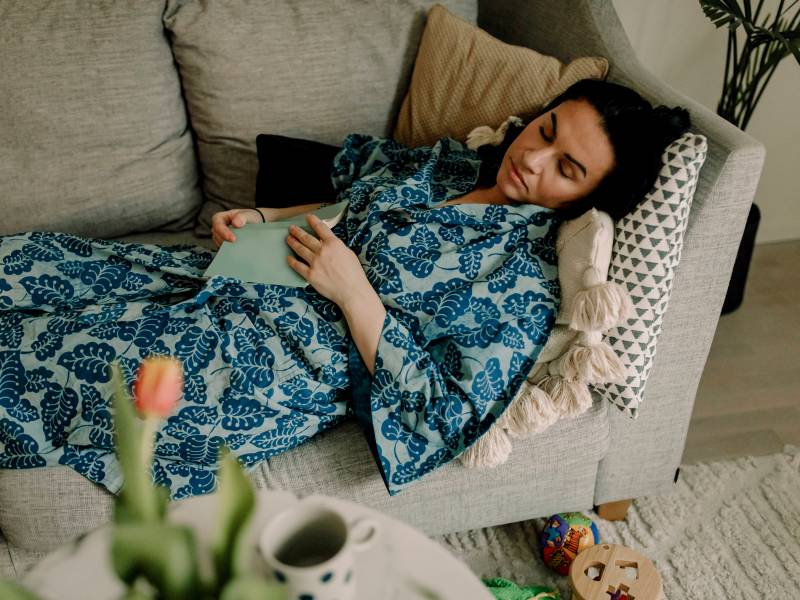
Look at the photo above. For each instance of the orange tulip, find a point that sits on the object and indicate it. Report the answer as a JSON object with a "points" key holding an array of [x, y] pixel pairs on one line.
{"points": [[159, 385]]}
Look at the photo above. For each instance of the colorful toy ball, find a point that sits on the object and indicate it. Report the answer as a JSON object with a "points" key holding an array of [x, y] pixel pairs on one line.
{"points": [[563, 536]]}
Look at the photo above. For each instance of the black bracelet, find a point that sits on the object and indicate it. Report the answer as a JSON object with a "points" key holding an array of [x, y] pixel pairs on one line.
{"points": [[263, 220]]}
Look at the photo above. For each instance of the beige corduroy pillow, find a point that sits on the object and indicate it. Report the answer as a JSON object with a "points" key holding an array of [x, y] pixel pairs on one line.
{"points": [[465, 77]]}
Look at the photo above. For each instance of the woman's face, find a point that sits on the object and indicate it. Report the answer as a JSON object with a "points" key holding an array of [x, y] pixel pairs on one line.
{"points": [[561, 156]]}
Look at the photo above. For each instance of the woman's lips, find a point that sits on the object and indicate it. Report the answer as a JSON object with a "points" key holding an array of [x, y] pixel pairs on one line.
{"points": [[516, 176]]}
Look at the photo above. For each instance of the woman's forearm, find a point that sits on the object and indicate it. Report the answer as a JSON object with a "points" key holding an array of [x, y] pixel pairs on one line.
{"points": [[278, 214], [365, 315]]}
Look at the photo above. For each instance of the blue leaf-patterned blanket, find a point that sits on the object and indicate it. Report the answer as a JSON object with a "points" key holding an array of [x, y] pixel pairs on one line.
{"points": [[471, 293]]}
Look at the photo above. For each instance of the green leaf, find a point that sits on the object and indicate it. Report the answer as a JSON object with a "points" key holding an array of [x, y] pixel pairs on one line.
{"points": [[232, 556], [250, 587], [791, 40], [138, 500], [721, 14], [165, 555], [11, 590]]}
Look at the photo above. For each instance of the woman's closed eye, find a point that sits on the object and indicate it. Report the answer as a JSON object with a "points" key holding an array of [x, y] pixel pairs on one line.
{"points": [[560, 164]]}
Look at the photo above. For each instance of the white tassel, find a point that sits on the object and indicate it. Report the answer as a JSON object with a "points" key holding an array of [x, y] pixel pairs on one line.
{"points": [[492, 448], [594, 363], [600, 307], [571, 398], [530, 412], [480, 136]]}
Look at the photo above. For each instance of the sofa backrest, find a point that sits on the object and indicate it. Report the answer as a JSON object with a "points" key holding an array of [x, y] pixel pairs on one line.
{"points": [[107, 109], [315, 69], [93, 129]]}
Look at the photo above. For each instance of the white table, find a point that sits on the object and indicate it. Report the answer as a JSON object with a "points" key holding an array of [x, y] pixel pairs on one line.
{"points": [[404, 565]]}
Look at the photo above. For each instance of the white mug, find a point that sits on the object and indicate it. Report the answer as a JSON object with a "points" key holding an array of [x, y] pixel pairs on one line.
{"points": [[310, 548]]}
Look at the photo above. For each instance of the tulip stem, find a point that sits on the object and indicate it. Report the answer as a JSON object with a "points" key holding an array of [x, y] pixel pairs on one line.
{"points": [[148, 442]]}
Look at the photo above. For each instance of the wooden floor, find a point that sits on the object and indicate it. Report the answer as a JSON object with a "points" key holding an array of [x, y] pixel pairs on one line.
{"points": [[748, 401]]}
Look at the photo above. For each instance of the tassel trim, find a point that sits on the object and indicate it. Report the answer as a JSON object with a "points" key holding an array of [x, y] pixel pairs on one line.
{"points": [[480, 136], [600, 307], [531, 412], [571, 398], [492, 449], [595, 363]]}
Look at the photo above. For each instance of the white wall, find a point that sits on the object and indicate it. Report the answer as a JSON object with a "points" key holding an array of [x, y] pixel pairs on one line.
{"points": [[678, 43]]}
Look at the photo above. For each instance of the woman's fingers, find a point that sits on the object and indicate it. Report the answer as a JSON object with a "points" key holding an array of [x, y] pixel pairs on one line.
{"points": [[221, 222], [305, 238], [218, 227], [301, 250], [320, 227], [218, 239], [227, 235], [299, 266]]}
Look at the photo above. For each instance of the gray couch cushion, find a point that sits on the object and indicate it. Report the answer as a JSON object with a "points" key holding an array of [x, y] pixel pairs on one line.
{"points": [[314, 69], [7, 569], [547, 472], [551, 471], [93, 127]]}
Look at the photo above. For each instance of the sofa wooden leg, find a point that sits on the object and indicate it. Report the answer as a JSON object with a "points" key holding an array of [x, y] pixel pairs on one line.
{"points": [[614, 511]]}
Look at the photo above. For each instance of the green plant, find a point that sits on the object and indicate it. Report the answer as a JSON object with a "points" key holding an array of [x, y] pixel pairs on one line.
{"points": [[748, 71], [169, 569], [158, 560]]}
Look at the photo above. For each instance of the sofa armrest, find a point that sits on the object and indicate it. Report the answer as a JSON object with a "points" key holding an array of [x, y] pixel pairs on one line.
{"points": [[645, 453]]}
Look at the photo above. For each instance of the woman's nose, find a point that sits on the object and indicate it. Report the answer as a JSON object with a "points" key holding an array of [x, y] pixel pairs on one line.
{"points": [[534, 159]]}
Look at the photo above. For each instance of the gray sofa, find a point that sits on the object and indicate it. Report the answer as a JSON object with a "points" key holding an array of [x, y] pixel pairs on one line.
{"points": [[599, 457]]}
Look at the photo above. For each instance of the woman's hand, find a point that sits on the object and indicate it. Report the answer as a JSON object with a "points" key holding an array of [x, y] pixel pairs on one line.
{"points": [[222, 221], [327, 263]]}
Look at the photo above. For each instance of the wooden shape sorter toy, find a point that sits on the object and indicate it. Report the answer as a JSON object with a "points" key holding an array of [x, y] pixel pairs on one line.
{"points": [[613, 572]]}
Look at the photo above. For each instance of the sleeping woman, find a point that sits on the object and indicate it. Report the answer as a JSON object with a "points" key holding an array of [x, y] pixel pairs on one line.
{"points": [[426, 305]]}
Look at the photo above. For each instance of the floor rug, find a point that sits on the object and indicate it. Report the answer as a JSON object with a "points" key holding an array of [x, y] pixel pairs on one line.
{"points": [[730, 530]]}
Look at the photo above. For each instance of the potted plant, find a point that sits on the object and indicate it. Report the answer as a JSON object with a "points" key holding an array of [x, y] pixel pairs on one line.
{"points": [[747, 72], [156, 559]]}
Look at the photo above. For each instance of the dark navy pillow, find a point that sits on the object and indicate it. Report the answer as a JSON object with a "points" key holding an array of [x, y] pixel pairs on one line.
{"points": [[293, 171]]}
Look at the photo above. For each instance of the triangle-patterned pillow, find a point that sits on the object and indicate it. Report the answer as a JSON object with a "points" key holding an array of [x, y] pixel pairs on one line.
{"points": [[647, 248]]}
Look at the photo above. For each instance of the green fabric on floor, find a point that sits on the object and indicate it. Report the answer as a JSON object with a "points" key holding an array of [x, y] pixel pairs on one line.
{"points": [[503, 589]]}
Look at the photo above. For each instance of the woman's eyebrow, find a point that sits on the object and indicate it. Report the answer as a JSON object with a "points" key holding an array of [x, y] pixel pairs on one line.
{"points": [[555, 129]]}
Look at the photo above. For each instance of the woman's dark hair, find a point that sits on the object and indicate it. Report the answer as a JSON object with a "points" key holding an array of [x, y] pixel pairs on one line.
{"points": [[638, 133]]}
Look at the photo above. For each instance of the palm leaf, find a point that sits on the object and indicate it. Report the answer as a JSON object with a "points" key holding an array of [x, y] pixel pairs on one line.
{"points": [[791, 40], [722, 13]]}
